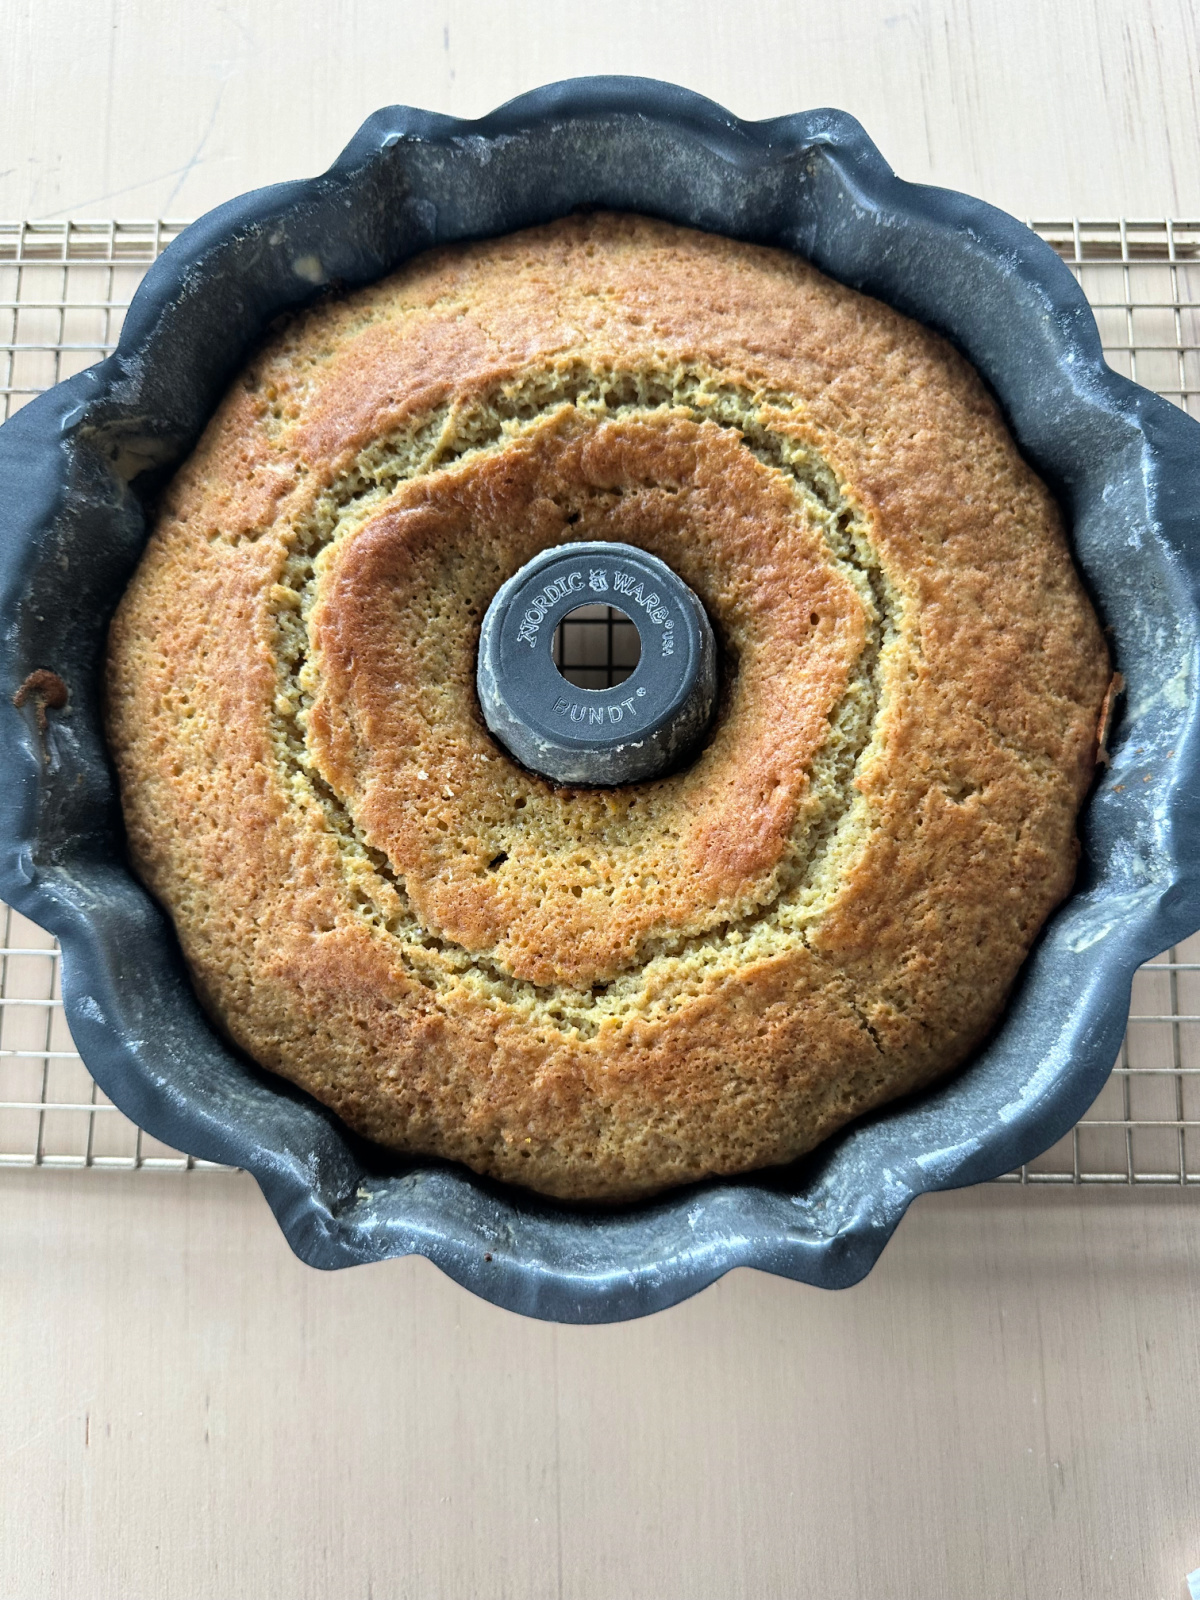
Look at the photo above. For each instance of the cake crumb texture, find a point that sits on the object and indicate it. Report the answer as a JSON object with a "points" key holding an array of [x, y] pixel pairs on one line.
{"points": [[601, 993]]}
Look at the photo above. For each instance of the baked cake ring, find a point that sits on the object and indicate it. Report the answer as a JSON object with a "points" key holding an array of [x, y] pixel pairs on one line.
{"points": [[599, 993]]}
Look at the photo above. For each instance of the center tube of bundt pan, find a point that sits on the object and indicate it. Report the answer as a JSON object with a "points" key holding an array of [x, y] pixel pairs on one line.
{"points": [[636, 724]]}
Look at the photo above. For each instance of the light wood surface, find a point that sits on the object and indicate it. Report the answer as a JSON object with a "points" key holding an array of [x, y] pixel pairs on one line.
{"points": [[1006, 1407], [132, 108], [1009, 1406]]}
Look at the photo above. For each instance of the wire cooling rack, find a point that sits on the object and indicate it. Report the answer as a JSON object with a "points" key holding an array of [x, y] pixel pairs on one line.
{"points": [[64, 290]]}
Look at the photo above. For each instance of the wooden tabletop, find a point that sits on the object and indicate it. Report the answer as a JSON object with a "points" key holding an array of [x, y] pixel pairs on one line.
{"points": [[1009, 1406]]}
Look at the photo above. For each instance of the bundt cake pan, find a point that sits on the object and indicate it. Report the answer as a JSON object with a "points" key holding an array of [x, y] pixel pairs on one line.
{"points": [[79, 465]]}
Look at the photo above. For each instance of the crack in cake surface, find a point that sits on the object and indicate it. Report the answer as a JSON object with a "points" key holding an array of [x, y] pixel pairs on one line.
{"points": [[668, 967]]}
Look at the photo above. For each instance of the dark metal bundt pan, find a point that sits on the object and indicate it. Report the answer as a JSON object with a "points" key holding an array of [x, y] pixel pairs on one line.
{"points": [[72, 468]]}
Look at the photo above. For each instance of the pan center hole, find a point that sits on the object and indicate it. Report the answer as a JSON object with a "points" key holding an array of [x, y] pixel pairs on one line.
{"points": [[596, 647]]}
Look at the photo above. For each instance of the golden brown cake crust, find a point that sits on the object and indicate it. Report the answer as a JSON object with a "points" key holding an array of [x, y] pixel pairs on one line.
{"points": [[602, 993]]}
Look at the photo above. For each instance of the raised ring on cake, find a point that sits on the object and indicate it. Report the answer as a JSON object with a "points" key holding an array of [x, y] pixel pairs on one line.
{"points": [[380, 703]]}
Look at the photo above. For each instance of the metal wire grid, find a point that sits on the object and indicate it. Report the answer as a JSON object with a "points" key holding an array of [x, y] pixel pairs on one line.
{"points": [[596, 647], [64, 289], [51, 1112]]}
